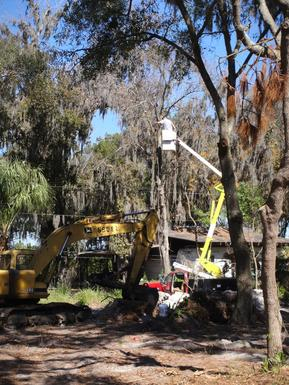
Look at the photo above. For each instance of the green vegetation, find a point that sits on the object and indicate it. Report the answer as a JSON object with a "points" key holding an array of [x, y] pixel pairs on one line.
{"points": [[120, 245], [89, 297], [250, 200], [201, 216], [108, 148], [274, 364], [21, 188], [284, 255], [283, 293]]}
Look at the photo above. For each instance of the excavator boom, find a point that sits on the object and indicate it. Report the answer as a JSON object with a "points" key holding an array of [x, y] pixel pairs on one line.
{"points": [[30, 283], [66, 235]]}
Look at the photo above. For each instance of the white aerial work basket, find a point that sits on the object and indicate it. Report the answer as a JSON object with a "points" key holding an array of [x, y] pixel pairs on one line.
{"points": [[169, 140]]}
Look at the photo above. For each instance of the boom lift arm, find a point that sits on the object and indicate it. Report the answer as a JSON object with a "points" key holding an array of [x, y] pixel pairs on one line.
{"points": [[169, 140]]}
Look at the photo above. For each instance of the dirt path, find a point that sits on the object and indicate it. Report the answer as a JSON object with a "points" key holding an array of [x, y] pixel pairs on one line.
{"points": [[142, 353]]}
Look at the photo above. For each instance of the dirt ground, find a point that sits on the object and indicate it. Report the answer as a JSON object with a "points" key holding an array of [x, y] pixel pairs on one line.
{"points": [[135, 352]]}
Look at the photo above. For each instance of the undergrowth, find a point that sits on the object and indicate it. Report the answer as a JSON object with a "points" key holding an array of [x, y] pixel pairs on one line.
{"points": [[89, 297], [274, 364]]}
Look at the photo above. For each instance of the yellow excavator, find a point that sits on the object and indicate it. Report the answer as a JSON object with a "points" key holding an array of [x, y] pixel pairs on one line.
{"points": [[23, 276]]}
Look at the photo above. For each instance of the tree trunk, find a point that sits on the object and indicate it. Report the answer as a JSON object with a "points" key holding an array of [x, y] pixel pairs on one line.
{"points": [[272, 211], [163, 234], [270, 216], [163, 231], [243, 309], [152, 189]]}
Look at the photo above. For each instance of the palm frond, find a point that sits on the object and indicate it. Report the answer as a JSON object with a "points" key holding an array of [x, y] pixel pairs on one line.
{"points": [[22, 188], [266, 92]]}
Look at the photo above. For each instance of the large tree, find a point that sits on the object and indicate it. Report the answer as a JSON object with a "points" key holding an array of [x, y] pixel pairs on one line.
{"points": [[45, 112], [116, 27], [268, 91], [130, 166]]}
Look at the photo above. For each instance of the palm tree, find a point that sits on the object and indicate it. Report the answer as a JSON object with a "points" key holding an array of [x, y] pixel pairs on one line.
{"points": [[21, 188]]}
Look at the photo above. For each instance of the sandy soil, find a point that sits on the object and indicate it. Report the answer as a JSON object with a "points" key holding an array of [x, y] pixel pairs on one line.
{"points": [[144, 352]]}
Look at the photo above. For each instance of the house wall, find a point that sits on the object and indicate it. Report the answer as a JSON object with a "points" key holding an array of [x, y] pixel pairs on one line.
{"points": [[182, 250], [153, 267]]}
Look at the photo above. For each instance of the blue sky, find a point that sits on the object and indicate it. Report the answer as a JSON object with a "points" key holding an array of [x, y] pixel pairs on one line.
{"points": [[102, 126], [15, 9]]}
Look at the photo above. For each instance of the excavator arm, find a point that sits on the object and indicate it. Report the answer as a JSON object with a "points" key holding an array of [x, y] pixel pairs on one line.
{"points": [[28, 283], [102, 226], [84, 229], [143, 242]]}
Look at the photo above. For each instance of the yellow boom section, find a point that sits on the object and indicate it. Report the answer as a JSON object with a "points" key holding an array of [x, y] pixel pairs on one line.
{"points": [[204, 259]]}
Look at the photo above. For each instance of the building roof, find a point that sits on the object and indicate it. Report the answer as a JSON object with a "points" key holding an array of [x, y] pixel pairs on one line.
{"points": [[221, 236]]}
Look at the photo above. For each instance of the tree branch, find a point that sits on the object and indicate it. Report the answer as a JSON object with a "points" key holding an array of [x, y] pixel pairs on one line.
{"points": [[171, 43], [268, 18], [129, 8], [227, 38], [249, 56], [285, 3], [217, 100], [207, 18], [188, 21], [177, 101], [254, 47], [231, 83], [164, 93]]}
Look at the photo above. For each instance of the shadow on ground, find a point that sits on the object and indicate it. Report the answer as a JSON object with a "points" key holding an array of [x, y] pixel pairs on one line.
{"points": [[98, 352]]}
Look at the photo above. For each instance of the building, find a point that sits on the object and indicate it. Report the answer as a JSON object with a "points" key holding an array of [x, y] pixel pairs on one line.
{"points": [[183, 248]]}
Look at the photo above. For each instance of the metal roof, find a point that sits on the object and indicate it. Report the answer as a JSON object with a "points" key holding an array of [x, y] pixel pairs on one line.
{"points": [[221, 236]]}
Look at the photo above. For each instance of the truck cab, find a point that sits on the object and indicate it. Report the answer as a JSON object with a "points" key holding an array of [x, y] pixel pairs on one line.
{"points": [[176, 280]]}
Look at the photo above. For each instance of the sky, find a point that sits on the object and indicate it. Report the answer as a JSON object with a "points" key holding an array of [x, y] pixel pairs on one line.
{"points": [[104, 126], [101, 126], [14, 9]]}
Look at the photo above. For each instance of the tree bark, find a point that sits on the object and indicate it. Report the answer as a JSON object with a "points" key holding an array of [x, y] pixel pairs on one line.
{"points": [[163, 233], [243, 309], [272, 211], [269, 217]]}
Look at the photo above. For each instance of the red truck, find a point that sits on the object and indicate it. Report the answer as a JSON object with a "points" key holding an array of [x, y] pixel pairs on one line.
{"points": [[176, 280]]}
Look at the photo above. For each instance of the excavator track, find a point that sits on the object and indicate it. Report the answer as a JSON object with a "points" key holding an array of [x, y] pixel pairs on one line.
{"points": [[44, 314]]}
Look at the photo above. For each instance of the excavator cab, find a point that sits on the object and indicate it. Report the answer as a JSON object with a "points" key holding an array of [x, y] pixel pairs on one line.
{"points": [[17, 280]]}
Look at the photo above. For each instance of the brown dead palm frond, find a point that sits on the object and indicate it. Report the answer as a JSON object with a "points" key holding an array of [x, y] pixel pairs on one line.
{"points": [[267, 91], [274, 87], [258, 93], [231, 106], [244, 85], [263, 72], [243, 130]]}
